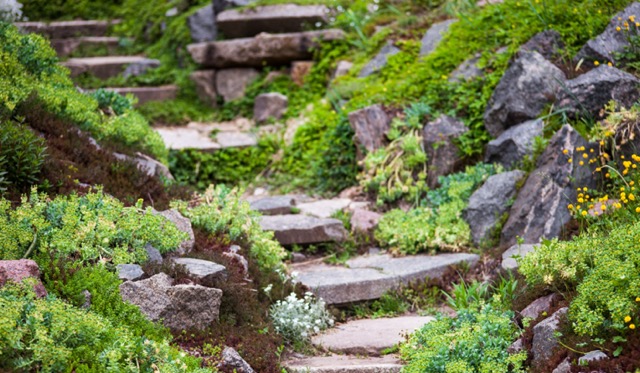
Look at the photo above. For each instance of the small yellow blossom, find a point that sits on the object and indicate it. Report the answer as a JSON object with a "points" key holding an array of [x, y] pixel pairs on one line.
{"points": [[581, 163], [627, 318], [584, 213], [618, 29], [570, 160], [637, 299], [609, 64], [632, 326], [603, 207], [570, 207], [596, 63], [632, 197]]}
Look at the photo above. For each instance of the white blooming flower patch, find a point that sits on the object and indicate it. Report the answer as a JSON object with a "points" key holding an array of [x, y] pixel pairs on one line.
{"points": [[298, 319]]}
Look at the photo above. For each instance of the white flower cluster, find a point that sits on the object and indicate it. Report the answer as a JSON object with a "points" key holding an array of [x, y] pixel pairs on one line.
{"points": [[10, 11], [298, 319]]}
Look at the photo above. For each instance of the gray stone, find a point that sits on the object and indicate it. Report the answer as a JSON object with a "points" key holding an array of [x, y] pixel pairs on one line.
{"points": [[302, 229], [517, 142], [548, 43], [179, 307], [518, 250], [369, 336], [564, 367], [87, 299], [298, 257], [140, 67], [67, 46], [272, 19], [516, 346], [364, 221], [269, 106], [540, 210], [235, 139], [264, 49], [529, 84], [439, 139], [468, 70], [370, 126], [67, 29], [205, 82], [587, 94], [234, 254], [201, 135], [544, 339], [146, 164], [221, 5], [202, 269], [232, 360], [434, 36], [153, 254], [300, 70], [101, 67], [202, 25], [344, 364], [184, 225], [540, 305], [605, 46], [368, 277], [147, 94], [129, 272], [379, 61], [489, 203], [231, 84], [274, 205], [324, 208], [592, 356], [342, 68]]}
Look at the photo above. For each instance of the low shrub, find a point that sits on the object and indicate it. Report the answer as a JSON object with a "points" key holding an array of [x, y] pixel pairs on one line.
{"points": [[22, 154], [112, 101], [297, 319]]}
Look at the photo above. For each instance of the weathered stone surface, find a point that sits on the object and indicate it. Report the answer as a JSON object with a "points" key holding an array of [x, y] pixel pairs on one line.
{"points": [[184, 225], [67, 29], [544, 340], [101, 67], [489, 203], [200, 135], [434, 35], [300, 70], [590, 92], [516, 346], [234, 253], [302, 229], [18, 270], [564, 367], [146, 164], [379, 61], [368, 277], [540, 210], [342, 68], [272, 19], [540, 305], [270, 49], [508, 257], [467, 70], [324, 208], [202, 25], [181, 307], [146, 94], [364, 221], [205, 82], [202, 269], [514, 144], [65, 47], [274, 205], [439, 142], [269, 106], [236, 139], [592, 356], [232, 360], [369, 336], [344, 364], [529, 84], [140, 67], [605, 46], [548, 43], [129, 272], [153, 255], [370, 125], [231, 84]]}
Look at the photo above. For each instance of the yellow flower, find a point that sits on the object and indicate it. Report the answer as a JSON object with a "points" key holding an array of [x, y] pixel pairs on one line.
{"points": [[601, 142], [570, 160], [581, 163], [627, 318], [607, 175], [603, 207], [570, 207], [631, 182], [638, 210], [618, 28], [580, 200], [585, 189], [609, 63], [585, 155], [637, 299], [596, 63], [632, 326], [584, 213], [632, 197], [565, 151]]}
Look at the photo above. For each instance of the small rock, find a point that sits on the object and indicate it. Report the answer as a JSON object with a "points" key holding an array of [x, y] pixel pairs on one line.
{"points": [[439, 142], [232, 360], [154, 255], [342, 68], [232, 83], [87, 299], [364, 221], [184, 225], [274, 205], [298, 257], [467, 70], [540, 305], [434, 36], [129, 272], [516, 347], [202, 25], [269, 106], [592, 356], [370, 125], [517, 142], [140, 67], [203, 270], [234, 253], [205, 82], [18, 270], [518, 250], [548, 43], [564, 367], [171, 12], [379, 61], [299, 70], [544, 339]]}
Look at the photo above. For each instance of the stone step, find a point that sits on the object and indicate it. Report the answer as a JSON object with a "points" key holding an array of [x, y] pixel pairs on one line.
{"points": [[368, 277], [344, 364], [201, 136], [242, 23], [369, 337], [303, 229], [65, 47], [68, 29], [270, 49], [146, 94], [101, 67]]}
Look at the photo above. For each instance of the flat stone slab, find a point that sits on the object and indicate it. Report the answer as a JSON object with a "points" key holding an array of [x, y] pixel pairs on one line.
{"points": [[302, 229], [200, 136], [269, 49], [240, 23], [344, 364], [67, 29], [274, 205], [202, 269], [146, 94], [129, 272], [324, 208], [101, 67], [65, 47], [369, 336], [368, 277]]}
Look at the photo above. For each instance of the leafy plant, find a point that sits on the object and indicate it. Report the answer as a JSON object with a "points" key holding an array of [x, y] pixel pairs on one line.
{"points": [[297, 319], [22, 154], [465, 295], [109, 100]]}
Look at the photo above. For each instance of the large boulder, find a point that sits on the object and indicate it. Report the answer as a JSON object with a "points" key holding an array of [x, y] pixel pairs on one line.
{"points": [[540, 210], [587, 94], [439, 139], [232, 83], [510, 148], [434, 36], [544, 338], [202, 25], [205, 82], [184, 225], [269, 106], [489, 203], [605, 46], [18, 270], [179, 307], [379, 61], [370, 126], [529, 84], [548, 43]]}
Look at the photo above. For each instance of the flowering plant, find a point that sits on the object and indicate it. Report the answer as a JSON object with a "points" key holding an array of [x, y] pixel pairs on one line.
{"points": [[297, 319]]}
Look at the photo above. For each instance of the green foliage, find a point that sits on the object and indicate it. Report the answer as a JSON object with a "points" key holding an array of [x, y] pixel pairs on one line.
{"points": [[49, 335], [465, 295], [297, 319], [475, 341], [220, 211], [22, 154], [176, 112], [460, 185], [42, 10], [109, 100]]}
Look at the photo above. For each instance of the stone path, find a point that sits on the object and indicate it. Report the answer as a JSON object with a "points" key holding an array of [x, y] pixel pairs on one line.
{"points": [[209, 136], [344, 364]]}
